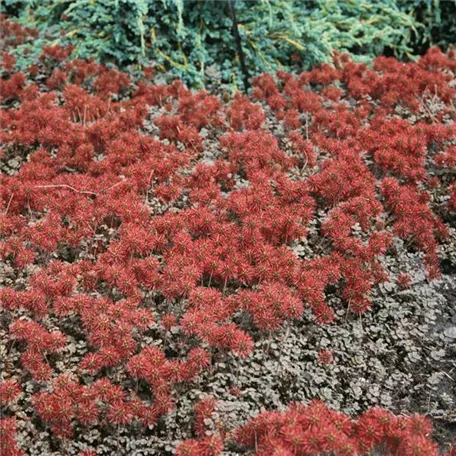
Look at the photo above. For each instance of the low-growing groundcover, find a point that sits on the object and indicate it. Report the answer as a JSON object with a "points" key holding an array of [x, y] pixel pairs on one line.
{"points": [[193, 274]]}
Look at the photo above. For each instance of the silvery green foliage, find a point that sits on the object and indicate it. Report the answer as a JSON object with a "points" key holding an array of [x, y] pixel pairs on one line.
{"points": [[188, 37]]}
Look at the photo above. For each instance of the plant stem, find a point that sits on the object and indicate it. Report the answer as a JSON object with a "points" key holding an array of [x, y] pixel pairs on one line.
{"points": [[237, 40]]}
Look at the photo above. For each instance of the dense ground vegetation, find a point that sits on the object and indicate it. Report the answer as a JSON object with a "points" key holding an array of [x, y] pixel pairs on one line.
{"points": [[193, 39], [154, 238]]}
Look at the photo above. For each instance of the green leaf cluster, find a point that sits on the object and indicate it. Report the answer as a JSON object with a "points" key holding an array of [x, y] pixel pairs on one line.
{"points": [[193, 39], [438, 18]]}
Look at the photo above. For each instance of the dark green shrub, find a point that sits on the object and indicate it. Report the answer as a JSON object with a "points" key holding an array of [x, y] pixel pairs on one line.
{"points": [[193, 39], [439, 23]]}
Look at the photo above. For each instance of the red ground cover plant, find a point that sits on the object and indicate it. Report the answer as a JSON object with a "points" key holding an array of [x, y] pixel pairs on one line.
{"points": [[125, 238], [8, 435], [316, 430], [210, 444]]}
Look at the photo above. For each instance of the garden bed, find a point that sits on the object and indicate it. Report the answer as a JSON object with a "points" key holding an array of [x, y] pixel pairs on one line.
{"points": [[163, 246]]}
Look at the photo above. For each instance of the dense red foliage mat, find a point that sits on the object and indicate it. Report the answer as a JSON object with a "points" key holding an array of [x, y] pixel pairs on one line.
{"points": [[124, 227]]}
